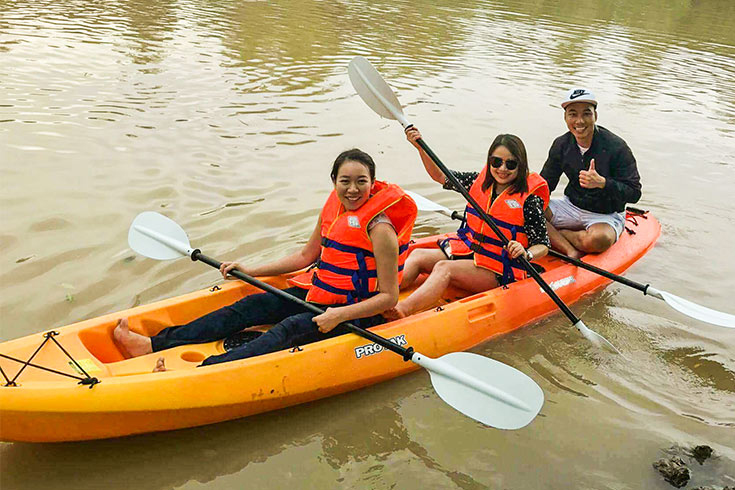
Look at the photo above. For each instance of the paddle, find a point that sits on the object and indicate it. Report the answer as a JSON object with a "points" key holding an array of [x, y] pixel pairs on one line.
{"points": [[376, 93], [681, 305], [484, 389]]}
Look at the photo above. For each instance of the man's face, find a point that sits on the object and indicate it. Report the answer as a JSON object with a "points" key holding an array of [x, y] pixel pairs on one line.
{"points": [[580, 118]]}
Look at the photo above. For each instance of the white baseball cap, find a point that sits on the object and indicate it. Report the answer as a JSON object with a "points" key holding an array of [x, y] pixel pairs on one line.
{"points": [[579, 95]]}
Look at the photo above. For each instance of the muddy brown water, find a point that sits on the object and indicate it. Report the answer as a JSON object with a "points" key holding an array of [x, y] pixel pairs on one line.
{"points": [[226, 115]]}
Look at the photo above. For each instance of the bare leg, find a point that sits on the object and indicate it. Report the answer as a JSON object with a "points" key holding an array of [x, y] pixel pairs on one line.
{"points": [[462, 273], [595, 239], [134, 343], [558, 240], [420, 260]]}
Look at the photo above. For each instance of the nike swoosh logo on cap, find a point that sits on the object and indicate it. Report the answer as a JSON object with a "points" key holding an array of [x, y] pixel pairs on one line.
{"points": [[578, 94]]}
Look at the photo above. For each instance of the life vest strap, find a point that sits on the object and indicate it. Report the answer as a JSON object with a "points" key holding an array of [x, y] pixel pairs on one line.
{"points": [[360, 277], [499, 222], [343, 271], [349, 294], [508, 263], [468, 236], [329, 243], [446, 242]]}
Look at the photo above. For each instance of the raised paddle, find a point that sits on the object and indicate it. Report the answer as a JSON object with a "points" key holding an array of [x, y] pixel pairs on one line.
{"points": [[376, 93], [681, 305], [486, 390]]}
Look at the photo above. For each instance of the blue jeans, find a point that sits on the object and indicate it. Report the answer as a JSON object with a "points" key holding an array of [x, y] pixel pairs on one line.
{"points": [[293, 327]]}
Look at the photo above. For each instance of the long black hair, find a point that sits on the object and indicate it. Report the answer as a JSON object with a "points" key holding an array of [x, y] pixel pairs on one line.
{"points": [[355, 155], [516, 148]]}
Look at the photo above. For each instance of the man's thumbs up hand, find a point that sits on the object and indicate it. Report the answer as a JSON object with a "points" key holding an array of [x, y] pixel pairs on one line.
{"points": [[590, 179]]}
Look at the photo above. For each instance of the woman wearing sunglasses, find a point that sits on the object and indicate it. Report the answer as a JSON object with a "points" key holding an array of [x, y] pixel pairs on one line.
{"points": [[474, 258]]}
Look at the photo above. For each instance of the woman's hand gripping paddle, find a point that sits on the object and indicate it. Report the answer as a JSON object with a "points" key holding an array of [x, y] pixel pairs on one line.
{"points": [[373, 90], [484, 389]]}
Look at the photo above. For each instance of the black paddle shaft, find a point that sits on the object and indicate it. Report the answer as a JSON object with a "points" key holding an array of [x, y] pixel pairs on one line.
{"points": [[407, 354], [584, 265], [487, 219]]}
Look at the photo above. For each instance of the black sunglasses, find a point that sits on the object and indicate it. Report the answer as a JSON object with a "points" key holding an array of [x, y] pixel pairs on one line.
{"points": [[497, 162]]}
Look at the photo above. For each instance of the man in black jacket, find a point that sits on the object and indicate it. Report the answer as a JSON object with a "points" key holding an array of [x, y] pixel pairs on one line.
{"points": [[603, 177]]}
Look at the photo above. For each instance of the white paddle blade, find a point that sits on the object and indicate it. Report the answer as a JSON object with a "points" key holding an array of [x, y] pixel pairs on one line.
{"points": [[155, 236], [374, 91], [696, 311], [484, 389], [595, 337], [425, 204]]}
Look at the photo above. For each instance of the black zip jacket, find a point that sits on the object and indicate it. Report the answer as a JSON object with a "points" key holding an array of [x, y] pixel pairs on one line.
{"points": [[613, 160]]}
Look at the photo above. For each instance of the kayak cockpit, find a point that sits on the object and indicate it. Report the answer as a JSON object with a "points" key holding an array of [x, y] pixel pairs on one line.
{"points": [[91, 343]]}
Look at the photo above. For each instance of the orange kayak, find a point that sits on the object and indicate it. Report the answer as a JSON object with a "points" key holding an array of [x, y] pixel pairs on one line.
{"points": [[48, 402]]}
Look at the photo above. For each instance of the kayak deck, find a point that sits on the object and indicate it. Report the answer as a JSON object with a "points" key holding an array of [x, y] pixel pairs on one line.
{"points": [[131, 399], [94, 348]]}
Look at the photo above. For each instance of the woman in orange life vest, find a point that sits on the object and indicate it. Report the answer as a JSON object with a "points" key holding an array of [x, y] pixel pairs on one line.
{"points": [[513, 197], [358, 249]]}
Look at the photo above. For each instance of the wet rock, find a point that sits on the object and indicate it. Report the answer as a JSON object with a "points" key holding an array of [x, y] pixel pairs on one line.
{"points": [[704, 488], [673, 470], [701, 453]]}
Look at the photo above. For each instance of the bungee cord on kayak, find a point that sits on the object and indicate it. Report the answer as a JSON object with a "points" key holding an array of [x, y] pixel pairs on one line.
{"points": [[87, 380]]}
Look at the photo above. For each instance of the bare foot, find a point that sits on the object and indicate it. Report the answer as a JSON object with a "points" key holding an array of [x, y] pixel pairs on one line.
{"points": [[394, 313], [160, 365], [570, 252], [135, 343]]}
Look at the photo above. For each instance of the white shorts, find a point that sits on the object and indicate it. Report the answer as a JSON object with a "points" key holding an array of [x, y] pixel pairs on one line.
{"points": [[567, 216]]}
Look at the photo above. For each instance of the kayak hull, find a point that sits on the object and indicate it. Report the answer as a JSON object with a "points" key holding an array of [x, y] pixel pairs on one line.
{"points": [[130, 399]]}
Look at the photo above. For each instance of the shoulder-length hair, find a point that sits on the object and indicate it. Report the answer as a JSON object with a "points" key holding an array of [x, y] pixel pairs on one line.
{"points": [[516, 148]]}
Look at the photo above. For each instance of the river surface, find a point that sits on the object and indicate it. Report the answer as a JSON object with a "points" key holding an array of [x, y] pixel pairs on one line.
{"points": [[226, 115]]}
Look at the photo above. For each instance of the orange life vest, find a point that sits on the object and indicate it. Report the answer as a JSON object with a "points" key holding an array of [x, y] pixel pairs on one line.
{"points": [[346, 271], [507, 213]]}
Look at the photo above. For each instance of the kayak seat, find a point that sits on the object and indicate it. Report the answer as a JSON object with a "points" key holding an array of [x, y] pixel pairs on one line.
{"points": [[99, 342], [240, 338]]}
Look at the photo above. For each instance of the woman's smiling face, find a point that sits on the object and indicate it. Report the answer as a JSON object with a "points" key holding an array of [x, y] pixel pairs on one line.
{"points": [[353, 184], [502, 175]]}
